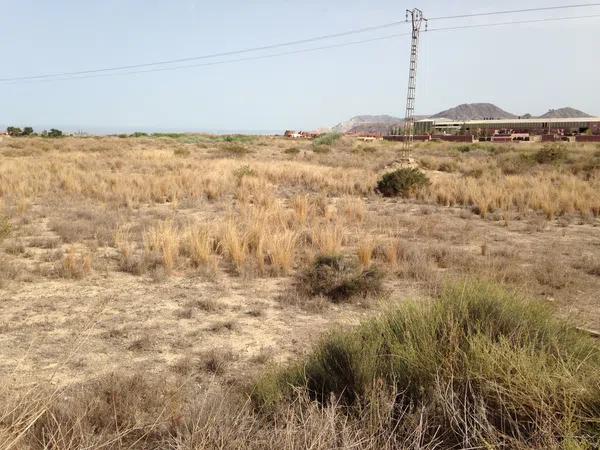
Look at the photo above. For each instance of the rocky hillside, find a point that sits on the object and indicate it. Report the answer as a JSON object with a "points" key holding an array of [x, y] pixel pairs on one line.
{"points": [[563, 113], [382, 124], [474, 111], [363, 124]]}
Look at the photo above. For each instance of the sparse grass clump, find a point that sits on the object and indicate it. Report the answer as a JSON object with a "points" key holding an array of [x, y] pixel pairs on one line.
{"points": [[401, 182], [5, 228], [478, 368], [161, 246], [244, 171], [234, 149], [74, 265], [321, 149], [234, 244], [9, 269], [589, 265], [199, 246], [328, 239], [339, 280], [182, 152], [551, 154]]}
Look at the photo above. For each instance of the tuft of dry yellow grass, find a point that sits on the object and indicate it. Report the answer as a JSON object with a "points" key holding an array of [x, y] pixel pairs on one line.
{"points": [[234, 244], [199, 244], [162, 241], [328, 239], [281, 251], [75, 265], [353, 208], [302, 208], [365, 250]]}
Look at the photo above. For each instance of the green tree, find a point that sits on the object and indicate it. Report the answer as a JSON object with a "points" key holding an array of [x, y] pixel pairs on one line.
{"points": [[14, 131], [27, 131], [54, 133]]}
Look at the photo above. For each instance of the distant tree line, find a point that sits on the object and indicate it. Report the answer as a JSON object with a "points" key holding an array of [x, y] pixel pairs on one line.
{"points": [[28, 131]]}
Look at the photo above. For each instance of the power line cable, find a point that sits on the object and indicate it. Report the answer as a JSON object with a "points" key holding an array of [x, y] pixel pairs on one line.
{"points": [[279, 45], [215, 63], [213, 55], [68, 77], [515, 11], [513, 22]]}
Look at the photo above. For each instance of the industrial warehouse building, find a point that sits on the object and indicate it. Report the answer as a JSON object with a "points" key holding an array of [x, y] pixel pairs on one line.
{"points": [[580, 129]]}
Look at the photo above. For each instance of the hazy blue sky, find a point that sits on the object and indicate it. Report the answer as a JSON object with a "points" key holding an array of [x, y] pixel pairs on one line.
{"points": [[521, 68]]}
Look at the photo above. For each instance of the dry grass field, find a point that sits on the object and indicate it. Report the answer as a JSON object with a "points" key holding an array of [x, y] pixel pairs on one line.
{"points": [[146, 283]]}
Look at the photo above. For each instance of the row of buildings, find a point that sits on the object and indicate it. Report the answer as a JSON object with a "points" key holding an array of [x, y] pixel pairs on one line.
{"points": [[580, 129], [292, 134], [585, 129]]}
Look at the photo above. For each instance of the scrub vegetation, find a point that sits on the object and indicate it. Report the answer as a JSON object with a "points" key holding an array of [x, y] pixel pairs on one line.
{"points": [[195, 291]]}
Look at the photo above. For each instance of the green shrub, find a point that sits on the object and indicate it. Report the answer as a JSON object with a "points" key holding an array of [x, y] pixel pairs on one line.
{"points": [[54, 133], [321, 149], [138, 134], [240, 138], [551, 154], [182, 152], [244, 171], [448, 166], [327, 139], [515, 164], [401, 182], [5, 228], [14, 131], [370, 149], [482, 367], [234, 149], [338, 280], [292, 151], [169, 135]]}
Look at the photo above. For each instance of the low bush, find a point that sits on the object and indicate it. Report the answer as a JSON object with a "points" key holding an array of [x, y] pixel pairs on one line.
{"points": [[366, 149], [5, 228], [244, 171], [401, 182], [448, 166], [551, 154], [338, 280], [73, 265], [327, 139], [169, 135], [234, 149], [238, 138], [479, 368], [182, 152], [321, 149], [515, 164]]}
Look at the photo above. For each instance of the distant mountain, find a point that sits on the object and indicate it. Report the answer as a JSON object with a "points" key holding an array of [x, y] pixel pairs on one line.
{"points": [[474, 111], [382, 124], [563, 113]]}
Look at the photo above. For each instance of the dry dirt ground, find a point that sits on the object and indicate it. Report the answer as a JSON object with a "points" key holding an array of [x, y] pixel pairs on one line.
{"points": [[73, 307]]}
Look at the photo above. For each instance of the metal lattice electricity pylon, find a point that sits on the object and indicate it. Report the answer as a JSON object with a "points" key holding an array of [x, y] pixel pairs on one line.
{"points": [[417, 19]]}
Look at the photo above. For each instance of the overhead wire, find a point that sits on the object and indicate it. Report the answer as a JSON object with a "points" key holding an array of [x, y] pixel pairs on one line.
{"points": [[116, 71], [515, 11], [513, 22], [214, 55], [216, 63]]}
